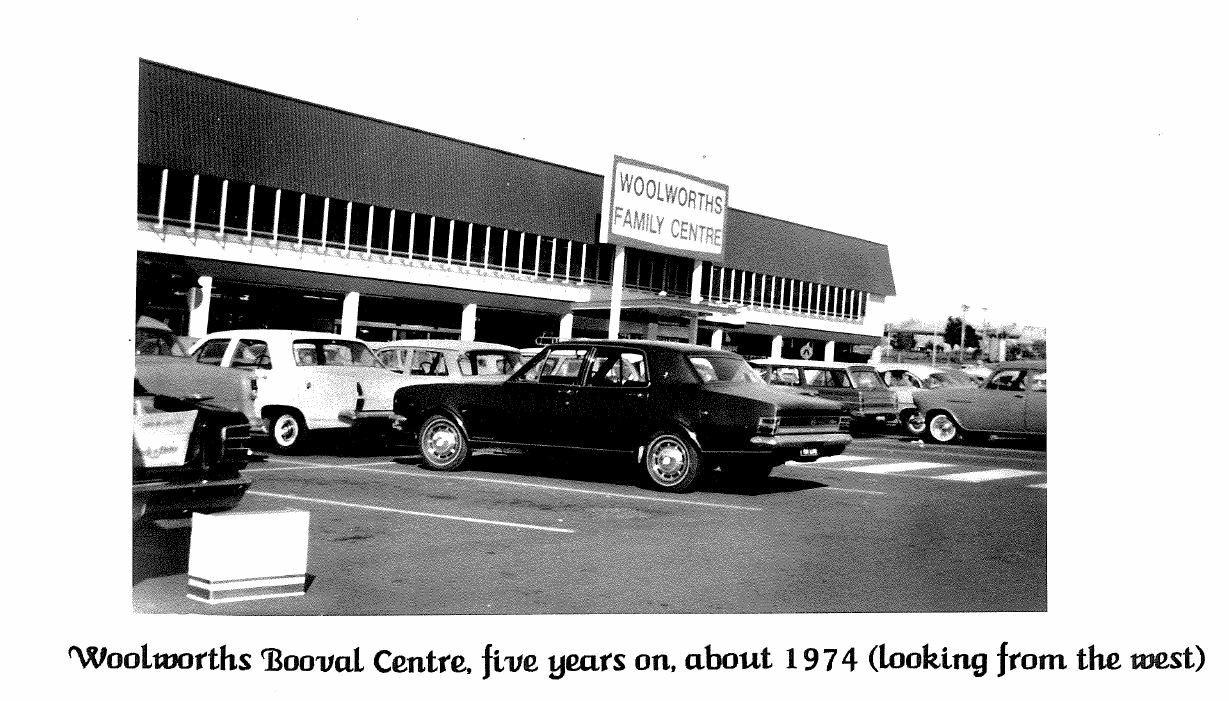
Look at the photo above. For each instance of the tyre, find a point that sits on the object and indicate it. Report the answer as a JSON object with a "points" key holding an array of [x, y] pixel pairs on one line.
{"points": [[913, 423], [443, 444], [671, 462], [288, 430], [941, 428]]}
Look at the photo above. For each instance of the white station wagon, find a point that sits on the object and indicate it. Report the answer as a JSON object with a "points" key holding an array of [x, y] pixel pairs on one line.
{"points": [[444, 360], [306, 380]]}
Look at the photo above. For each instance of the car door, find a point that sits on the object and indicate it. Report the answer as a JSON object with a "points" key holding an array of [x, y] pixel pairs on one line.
{"points": [[539, 400], [611, 406], [1035, 402], [1000, 406]]}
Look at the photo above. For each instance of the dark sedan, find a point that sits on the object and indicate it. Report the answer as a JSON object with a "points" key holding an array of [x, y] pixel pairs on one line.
{"points": [[677, 409]]}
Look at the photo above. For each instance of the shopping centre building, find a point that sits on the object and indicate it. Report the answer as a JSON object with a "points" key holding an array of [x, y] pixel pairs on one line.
{"points": [[256, 210]]}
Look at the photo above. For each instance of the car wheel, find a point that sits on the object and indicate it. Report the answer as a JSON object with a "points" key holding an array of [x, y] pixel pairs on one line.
{"points": [[671, 462], [288, 431], [913, 423], [941, 428], [443, 444]]}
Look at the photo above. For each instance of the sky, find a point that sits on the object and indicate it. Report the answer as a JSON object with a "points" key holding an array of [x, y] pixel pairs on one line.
{"points": [[955, 133]]}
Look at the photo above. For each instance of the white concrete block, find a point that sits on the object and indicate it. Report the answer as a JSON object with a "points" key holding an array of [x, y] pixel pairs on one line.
{"points": [[250, 555]]}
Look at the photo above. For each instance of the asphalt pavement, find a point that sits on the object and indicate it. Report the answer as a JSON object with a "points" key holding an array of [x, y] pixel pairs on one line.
{"points": [[891, 525]]}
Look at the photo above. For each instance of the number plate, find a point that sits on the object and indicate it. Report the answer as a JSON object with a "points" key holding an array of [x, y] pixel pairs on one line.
{"points": [[809, 452]]}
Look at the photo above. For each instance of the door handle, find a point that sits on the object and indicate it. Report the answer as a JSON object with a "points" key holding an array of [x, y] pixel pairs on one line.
{"points": [[309, 384], [1019, 396]]}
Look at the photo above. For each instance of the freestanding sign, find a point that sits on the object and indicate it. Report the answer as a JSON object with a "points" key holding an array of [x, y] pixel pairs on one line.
{"points": [[666, 211]]}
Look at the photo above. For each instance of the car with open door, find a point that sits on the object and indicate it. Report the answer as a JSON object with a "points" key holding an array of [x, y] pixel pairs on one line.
{"points": [[676, 410], [907, 379]]}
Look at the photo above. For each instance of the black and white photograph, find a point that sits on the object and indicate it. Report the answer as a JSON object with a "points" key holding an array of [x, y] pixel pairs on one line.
{"points": [[668, 346]]}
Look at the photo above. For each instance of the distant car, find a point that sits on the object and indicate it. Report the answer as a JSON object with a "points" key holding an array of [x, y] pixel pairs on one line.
{"points": [[977, 371], [166, 369], [307, 380], [678, 409], [858, 388], [186, 454], [449, 360], [906, 379], [1012, 402]]}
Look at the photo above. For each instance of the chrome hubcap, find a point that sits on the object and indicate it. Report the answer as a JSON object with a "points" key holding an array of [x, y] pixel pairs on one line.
{"points": [[942, 428], [440, 442], [286, 430], [667, 461], [915, 424]]}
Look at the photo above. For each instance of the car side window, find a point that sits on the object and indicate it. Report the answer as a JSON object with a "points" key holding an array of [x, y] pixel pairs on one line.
{"points": [[1005, 380], [783, 376], [252, 354], [304, 353], [392, 358], [212, 352], [560, 366], [428, 362], [615, 368]]}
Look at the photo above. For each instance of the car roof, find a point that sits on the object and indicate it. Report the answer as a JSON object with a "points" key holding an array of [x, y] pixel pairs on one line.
{"points": [[286, 334], [444, 344], [1020, 365], [918, 368], [644, 344], [798, 363]]}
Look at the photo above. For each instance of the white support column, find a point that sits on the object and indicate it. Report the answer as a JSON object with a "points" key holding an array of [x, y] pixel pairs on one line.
{"points": [[486, 249], [712, 270], [829, 351], [715, 341], [567, 263], [162, 201], [697, 277], [537, 255], [778, 345], [222, 210], [584, 251], [503, 253], [196, 184], [392, 228], [721, 286], [452, 227], [616, 292], [371, 221], [469, 243], [349, 214], [349, 314], [251, 211], [277, 213], [431, 239], [554, 247], [520, 254], [565, 327], [469, 322], [303, 211], [198, 314], [324, 222]]}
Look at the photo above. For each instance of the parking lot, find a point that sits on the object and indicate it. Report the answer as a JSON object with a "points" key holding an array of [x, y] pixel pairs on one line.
{"points": [[891, 525]]}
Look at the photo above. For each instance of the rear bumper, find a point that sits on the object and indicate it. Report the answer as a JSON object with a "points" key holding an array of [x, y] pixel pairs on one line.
{"points": [[878, 415], [163, 499], [801, 446]]}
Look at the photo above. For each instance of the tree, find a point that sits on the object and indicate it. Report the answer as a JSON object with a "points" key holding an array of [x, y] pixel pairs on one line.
{"points": [[901, 340], [951, 335]]}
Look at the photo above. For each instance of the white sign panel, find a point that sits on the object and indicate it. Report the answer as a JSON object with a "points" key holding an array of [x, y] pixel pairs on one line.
{"points": [[163, 437], [666, 211]]}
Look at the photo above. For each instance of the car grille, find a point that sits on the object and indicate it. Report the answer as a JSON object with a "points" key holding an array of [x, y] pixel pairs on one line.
{"points": [[810, 423], [234, 446]]}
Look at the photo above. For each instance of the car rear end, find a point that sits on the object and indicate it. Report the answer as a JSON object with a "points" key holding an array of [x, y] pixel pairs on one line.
{"points": [[186, 457], [876, 403], [802, 433]]}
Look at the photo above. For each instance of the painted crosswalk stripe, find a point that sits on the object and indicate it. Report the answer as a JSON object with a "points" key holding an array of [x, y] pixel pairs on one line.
{"points": [[987, 475], [888, 468]]}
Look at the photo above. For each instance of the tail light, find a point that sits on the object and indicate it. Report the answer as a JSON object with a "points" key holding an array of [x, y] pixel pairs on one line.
{"points": [[254, 388], [768, 425], [358, 403]]}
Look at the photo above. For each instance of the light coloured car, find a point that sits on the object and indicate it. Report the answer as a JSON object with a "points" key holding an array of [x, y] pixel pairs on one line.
{"points": [[905, 379], [443, 360], [306, 380], [1012, 402], [858, 388]]}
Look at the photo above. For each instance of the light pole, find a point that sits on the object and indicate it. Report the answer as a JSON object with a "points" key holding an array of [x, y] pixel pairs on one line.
{"points": [[964, 311], [985, 333]]}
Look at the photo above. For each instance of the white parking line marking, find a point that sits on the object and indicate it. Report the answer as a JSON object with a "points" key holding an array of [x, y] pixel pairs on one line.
{"points": [[640, 497], [1043, 485], [283, 461], [283, 469], [895, 467], [987, 475], [859, 491], [448, 517]]}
